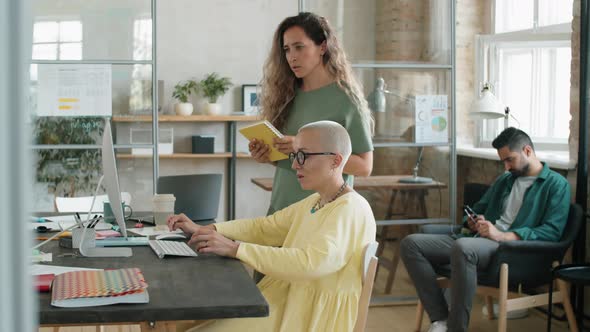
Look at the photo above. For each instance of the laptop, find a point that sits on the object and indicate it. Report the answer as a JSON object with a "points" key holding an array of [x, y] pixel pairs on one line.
{"points": [[197, 195]]}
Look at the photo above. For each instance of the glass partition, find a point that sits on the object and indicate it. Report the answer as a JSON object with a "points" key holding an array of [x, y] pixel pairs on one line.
{"points": [[391, 94], [381, 32], [92, 30]]}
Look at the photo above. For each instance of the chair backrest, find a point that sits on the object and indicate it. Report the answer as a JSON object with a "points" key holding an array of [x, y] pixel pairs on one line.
{"points": [[82, 204], [473, 192], [197, 195], [531, 262], [575, 219], [369, 267]]}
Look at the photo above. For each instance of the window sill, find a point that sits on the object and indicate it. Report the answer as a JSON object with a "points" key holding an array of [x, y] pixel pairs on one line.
{"points": [[555, 159]]}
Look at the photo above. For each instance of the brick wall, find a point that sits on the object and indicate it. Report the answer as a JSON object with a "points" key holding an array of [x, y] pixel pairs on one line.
{"points": [[403, 33]]}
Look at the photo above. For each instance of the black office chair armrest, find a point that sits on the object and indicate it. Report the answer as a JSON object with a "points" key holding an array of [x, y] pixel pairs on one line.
{"points": [[529, 262], [533, 247]]}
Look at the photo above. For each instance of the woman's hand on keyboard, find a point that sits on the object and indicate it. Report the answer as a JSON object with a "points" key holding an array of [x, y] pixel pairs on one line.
{"points": [[209, 240], [182, 222]]}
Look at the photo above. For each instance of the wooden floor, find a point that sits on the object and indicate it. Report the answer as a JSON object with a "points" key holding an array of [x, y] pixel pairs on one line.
{"points": [[396, 318]]}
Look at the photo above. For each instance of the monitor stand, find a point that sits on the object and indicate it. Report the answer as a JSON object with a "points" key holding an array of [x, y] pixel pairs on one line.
{"points": [[93, 251]]}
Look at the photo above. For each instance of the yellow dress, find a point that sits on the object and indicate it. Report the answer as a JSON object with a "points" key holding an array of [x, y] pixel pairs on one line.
{"points": [[313, 281]]}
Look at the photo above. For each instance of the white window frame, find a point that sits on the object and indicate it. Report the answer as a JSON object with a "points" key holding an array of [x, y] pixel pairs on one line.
{"points": [[59, 43], [487, 70]]}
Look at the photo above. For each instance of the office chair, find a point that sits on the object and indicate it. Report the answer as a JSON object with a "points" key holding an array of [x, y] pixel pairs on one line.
{"points": [[197, 195], [369, 267], [530, 265]]}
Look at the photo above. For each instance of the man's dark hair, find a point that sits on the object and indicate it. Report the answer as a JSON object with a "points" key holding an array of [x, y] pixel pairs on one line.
{"points": [[514, 138]]}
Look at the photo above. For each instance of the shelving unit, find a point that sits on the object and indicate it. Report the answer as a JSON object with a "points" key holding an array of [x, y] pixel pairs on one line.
{"points": [[188, 118], [230, 154], [219, 155]]}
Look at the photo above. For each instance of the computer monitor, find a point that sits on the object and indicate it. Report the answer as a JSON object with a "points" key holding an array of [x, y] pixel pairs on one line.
{"points": [[197, 195], [111, 178], [111, 183]]}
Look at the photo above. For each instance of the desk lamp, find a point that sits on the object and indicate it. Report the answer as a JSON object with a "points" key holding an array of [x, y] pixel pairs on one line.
{"points": [[415, 178], [488, 107]]}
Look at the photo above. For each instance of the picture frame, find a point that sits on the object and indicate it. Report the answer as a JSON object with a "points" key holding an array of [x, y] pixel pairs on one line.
{"points": [[250, 99]]}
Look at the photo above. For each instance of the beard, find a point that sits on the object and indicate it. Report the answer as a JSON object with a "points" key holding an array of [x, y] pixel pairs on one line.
{"points": [[521, 171]]}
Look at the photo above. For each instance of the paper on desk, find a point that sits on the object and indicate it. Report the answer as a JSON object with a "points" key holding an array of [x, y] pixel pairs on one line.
{"points": [[149, 231], [37, 269]]}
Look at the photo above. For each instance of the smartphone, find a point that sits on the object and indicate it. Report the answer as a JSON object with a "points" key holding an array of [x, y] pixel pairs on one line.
{"points": [[471, 215]]}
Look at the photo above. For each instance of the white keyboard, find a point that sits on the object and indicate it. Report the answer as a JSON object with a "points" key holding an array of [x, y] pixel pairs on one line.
{"points": [[174, 248]]}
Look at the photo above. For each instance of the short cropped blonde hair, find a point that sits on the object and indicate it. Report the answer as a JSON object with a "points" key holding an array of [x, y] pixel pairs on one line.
{"points": [[333, 138]]}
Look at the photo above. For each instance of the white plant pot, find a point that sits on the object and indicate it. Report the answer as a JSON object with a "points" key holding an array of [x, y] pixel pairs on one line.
{"points": [[212, 109], [184, 109]]}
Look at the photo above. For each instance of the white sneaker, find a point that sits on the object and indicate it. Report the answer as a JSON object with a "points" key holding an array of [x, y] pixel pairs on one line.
{"points": [[438, 326], [515, 314]]}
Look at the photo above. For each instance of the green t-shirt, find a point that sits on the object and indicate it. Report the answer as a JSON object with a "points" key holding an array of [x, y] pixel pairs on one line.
{"points": [[326, 103]]}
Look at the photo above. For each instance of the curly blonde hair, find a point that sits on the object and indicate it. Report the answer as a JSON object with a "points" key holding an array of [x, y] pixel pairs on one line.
{"points": [[279, 83]]}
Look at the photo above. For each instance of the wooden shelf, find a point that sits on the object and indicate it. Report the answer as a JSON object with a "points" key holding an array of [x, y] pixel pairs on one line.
{"points": [[218, 155], [188, 118]]}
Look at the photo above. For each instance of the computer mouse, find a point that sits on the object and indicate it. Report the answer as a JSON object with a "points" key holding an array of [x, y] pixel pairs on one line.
{"points": [[171, 236]]}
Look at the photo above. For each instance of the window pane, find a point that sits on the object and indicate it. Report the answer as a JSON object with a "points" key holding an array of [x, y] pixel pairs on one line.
{"points": [[45, 52], [561, 125], [535, 83], [516, 84], [70, 31], [514, 15], [70, 51], [44, 32], [555, 12]]}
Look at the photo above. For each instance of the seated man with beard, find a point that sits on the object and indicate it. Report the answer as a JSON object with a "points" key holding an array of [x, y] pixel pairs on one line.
{"points": [[544, 196]]}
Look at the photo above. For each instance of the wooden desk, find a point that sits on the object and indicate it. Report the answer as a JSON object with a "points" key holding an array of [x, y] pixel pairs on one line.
{"points": [[409, 192], [369, 182], [413, 203], [180, 288]]}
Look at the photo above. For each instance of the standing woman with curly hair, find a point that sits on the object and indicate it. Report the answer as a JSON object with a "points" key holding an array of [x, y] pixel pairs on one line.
{"points": [[307, 78]]}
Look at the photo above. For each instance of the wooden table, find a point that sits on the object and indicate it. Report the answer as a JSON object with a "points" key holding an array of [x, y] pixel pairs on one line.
{"points": [[180, 289], [410, 192], [412, 199]]}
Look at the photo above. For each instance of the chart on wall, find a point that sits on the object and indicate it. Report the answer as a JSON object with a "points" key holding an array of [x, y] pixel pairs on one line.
{"points": [[432, 123], [74, 90]]}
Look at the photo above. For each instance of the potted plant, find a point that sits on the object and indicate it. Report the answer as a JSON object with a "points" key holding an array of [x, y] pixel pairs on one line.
{"points": [[214, 87], [181, 92]]}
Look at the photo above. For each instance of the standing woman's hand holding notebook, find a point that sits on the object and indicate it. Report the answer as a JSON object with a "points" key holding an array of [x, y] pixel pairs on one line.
{"points": [[265, 132]]}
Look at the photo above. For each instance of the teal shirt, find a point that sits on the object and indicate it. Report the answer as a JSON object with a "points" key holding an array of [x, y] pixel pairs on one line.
{"points": [[544, 209], [326, 103]]}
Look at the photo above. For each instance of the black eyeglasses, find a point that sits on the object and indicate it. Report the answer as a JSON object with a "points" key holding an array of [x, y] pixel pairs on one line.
{"points": [[301, 156]]}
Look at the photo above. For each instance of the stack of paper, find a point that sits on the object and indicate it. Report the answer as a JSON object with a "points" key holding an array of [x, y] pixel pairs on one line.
{"points": [[101, 287]]}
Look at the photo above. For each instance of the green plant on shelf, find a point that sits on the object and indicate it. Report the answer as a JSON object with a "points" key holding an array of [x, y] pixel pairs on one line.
{"points": [[183, 90], [214, 86]]}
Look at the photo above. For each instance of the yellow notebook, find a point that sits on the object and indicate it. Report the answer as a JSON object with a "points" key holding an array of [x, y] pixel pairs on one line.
{"points": [[266, 132]]}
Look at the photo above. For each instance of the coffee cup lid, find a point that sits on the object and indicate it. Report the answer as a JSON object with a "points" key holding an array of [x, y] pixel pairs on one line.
{"points": [[164, 197]]}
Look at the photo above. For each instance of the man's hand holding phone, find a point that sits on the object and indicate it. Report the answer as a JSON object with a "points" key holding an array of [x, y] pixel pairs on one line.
{"points": [[472, 218]]}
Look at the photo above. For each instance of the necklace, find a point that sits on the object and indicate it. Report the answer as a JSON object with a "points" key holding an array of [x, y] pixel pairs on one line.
{"points": [[317, 204]]}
